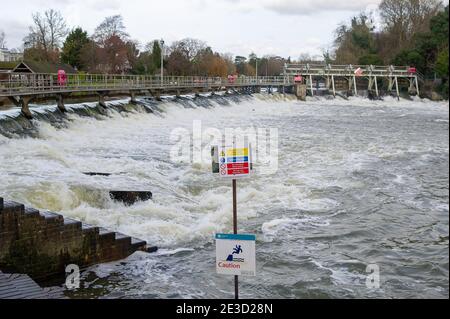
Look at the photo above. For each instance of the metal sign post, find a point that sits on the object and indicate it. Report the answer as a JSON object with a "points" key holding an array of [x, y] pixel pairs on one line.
{"points": [[235, 231], [235, 254]]}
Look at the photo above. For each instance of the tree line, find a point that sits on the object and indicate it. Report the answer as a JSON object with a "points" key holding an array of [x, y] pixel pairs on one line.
{"points": [[412, 33], [110, 49]]}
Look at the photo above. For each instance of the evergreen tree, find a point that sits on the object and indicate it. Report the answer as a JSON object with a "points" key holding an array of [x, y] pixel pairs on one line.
{"points": [[72, 49]]}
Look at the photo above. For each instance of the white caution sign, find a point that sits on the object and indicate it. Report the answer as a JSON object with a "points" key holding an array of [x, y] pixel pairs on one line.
{"points": [[236, 255]]}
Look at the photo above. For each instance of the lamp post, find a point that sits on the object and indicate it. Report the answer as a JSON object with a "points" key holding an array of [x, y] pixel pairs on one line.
{"points": [[162, 62]]}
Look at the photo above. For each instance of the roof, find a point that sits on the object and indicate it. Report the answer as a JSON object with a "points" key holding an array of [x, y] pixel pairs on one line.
{"points": [[30, 66]]}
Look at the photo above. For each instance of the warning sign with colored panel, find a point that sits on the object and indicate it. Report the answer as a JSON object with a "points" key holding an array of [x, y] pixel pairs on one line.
{"points": [[236, 254], [235, 162]]}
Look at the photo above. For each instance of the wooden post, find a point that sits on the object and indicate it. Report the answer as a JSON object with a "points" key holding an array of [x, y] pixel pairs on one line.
{"points": [[311, 84], [235, 231], [354, 83]]}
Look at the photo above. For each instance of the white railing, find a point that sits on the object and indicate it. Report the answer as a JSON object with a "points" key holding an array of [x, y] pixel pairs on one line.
{"points": [[348, 70]]}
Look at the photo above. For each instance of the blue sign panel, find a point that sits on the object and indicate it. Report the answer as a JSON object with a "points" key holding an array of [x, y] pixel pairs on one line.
{"points": [[236, 237]]}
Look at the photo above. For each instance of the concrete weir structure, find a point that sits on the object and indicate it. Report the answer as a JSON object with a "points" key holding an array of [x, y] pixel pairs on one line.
{"points": [[42, 244], [22, 88]]}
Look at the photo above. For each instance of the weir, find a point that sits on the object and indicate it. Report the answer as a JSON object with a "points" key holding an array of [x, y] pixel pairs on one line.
{"points": [[22, 88]]}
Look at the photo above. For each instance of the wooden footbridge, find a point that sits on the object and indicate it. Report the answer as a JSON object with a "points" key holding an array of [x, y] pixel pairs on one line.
{"points": [[22, 88]]}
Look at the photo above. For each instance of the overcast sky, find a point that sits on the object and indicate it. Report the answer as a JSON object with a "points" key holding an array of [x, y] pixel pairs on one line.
{"points": [[280, 27]]}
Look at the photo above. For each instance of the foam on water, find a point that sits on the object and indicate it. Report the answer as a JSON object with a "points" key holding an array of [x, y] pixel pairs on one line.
{"points": [[352, 174]]}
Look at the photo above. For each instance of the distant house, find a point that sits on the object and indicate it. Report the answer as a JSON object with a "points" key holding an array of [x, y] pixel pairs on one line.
{"points": [[10, 56], [42, 67]]}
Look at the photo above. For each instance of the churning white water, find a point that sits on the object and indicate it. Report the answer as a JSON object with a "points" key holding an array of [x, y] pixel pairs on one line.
{"points": [[359, 182]]}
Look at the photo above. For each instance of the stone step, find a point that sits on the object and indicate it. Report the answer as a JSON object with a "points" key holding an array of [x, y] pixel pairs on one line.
{"points": [[31, 212], [52, 218], [47, 232], [123, 239], [13, 207], [138, 244], [106, 236], [89, 229], [70, 223]]}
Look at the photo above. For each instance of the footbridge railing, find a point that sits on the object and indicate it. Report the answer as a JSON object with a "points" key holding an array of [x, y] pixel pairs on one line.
{"points": [[35, 84], [311, 72]]}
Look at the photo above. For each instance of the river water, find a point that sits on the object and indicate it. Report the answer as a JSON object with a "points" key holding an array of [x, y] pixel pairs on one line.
{"points": [[359, 182]]}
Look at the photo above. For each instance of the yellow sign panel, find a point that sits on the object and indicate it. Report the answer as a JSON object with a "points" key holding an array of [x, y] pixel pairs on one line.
{"points": [[237, 152]]}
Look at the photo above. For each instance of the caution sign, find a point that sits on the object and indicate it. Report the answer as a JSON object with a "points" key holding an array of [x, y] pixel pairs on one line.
{"points": [[234, 162], [236, 254]]}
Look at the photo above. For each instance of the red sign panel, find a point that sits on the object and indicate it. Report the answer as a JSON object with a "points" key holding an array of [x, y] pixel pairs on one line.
{"points": [[237, 166], [238, 171]]}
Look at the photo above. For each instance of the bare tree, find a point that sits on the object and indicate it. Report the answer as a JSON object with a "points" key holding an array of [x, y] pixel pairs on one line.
{"points": [[110, 27], [57, 28], [404, 18], [2, 39], [190, 48], [46, 34]]}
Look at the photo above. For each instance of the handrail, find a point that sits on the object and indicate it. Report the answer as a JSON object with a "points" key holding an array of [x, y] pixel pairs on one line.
{"points": [[40, 83]]}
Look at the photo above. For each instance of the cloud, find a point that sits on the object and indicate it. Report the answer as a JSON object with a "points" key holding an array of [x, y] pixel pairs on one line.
{"points": [[305, 7]]}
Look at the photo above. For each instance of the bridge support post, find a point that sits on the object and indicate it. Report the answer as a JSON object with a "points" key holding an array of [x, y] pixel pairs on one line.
{"points": [[311, 84], [413, 86], [376, 87], [133, 97], [417, 85], [354, 84], [300, 91], [101, 98], [390, 85], [60, 103], [396, 88], [178, 94], [333, 85], [157, 95], [24, 104]]}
